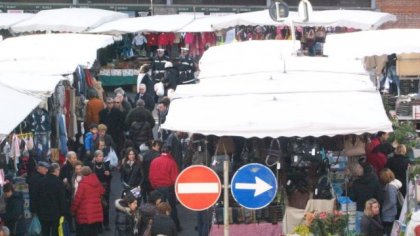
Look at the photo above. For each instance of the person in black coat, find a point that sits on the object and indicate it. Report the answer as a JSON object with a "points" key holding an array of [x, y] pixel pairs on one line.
{"points": [[66, 175], [51, 201], [103, 172], [148, 157], [398, 164], [162, 222], [141, 123], [13, 218], [127, 219], [171, 78], [113, 118], [371, 221], [365, 187], [146, 97], [130, 170], [34, 184]]}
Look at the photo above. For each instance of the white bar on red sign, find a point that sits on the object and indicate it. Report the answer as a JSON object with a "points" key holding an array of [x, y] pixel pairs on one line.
{"points": [[186, 188]]}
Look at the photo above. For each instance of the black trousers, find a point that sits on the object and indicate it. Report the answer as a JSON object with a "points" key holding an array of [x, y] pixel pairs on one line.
{"points": [[49, 228], [87, 229]]}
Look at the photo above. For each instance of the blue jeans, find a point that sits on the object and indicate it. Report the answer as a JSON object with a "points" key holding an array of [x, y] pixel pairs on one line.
{"points": [[391, 75], [359, 215], [42, 145]]}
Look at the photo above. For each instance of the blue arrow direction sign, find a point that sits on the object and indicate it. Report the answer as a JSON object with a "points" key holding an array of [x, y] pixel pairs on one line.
{"points": [[254, 186]]}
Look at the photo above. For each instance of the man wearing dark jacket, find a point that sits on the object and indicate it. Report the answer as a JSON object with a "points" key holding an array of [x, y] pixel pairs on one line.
{"points": [[146, 97], [140, 122], [14, 211], [34, 183], [51, 200], [113, 118], [66, 175]]}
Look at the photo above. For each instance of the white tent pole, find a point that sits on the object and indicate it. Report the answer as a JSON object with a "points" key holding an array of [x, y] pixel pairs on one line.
{"points": [[226, 196]]}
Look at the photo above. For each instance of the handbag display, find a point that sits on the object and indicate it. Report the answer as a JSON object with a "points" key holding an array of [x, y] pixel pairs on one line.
{"points": [[218, 159], [273, 153]]}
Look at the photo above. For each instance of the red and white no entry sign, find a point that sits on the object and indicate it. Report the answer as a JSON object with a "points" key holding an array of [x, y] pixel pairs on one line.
{"points": [[198, 187]]}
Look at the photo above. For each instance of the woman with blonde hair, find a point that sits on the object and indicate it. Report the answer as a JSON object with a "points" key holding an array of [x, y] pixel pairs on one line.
{"points": [[389, 205], [399, 164], [371, 221]]}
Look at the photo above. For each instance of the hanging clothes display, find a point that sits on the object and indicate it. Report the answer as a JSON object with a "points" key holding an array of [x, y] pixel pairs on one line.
{"points": [[40, 120]]}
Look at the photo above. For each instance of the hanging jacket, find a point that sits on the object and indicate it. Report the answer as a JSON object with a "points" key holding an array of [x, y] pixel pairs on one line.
{"points": [[87, 204]]}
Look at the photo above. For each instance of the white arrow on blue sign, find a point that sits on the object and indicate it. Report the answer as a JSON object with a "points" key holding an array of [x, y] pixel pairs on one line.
{"points": [[254, 186]]}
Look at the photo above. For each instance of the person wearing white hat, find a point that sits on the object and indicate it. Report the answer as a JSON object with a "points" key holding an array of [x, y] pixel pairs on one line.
{"points": [[186, 68], [158, 65]]}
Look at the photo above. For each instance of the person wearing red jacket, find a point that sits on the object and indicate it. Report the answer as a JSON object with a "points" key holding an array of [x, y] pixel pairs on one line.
{"points": [[162, 176], [87, 206], [375, 156]]}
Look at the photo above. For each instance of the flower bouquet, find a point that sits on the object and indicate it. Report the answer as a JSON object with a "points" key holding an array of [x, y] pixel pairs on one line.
{"points": [[326, 224]]}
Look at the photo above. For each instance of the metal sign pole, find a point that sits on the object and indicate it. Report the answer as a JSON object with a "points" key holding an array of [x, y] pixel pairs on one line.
{"points": [[226, 197]]}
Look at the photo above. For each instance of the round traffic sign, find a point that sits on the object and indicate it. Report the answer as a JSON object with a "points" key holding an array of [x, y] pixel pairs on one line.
{"points": [[254, 186], [198, 187]]}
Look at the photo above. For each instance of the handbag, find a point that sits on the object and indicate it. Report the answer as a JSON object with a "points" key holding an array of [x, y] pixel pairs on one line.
{"points": [[354, 146], [34, 227], [273, 152], [159, 89], [112, 158], [218, 159]]}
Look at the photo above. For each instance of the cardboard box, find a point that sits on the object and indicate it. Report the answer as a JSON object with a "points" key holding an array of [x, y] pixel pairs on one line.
{"points": [[408, 64]]}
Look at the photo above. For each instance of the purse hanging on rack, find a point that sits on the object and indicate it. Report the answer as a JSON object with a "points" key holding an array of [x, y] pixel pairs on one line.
{"points": [[273, 153], [218, 159]]}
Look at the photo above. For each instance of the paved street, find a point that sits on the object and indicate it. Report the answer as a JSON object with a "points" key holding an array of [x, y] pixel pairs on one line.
{"points": [[187, 217]]}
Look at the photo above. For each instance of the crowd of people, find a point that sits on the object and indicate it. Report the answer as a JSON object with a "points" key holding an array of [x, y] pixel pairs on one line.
{"points": [[118, 137], [378, 181]]}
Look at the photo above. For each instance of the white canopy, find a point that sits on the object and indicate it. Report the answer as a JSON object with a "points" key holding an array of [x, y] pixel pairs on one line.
{"points": [[15, 106], [41, 86], [157, 23], [67, 20], [9, 19], [274, 115], [62, 50], [357, 19], [315, 101], [369, 43], [266, 56], [202, 24]]}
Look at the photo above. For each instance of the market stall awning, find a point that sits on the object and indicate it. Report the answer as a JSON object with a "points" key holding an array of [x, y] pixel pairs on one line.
{"points": [[67, 20], [370, 43], [9, 19], [157, 23], [280, 115], [312, 97], [203, 24], [358, 19], [58, 49], [266, 56], [41, 86], [15, 106]]}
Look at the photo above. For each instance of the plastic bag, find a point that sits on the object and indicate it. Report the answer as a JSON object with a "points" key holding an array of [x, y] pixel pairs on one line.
{"points": [[63, 228], [34, 227], [112, 158]]}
